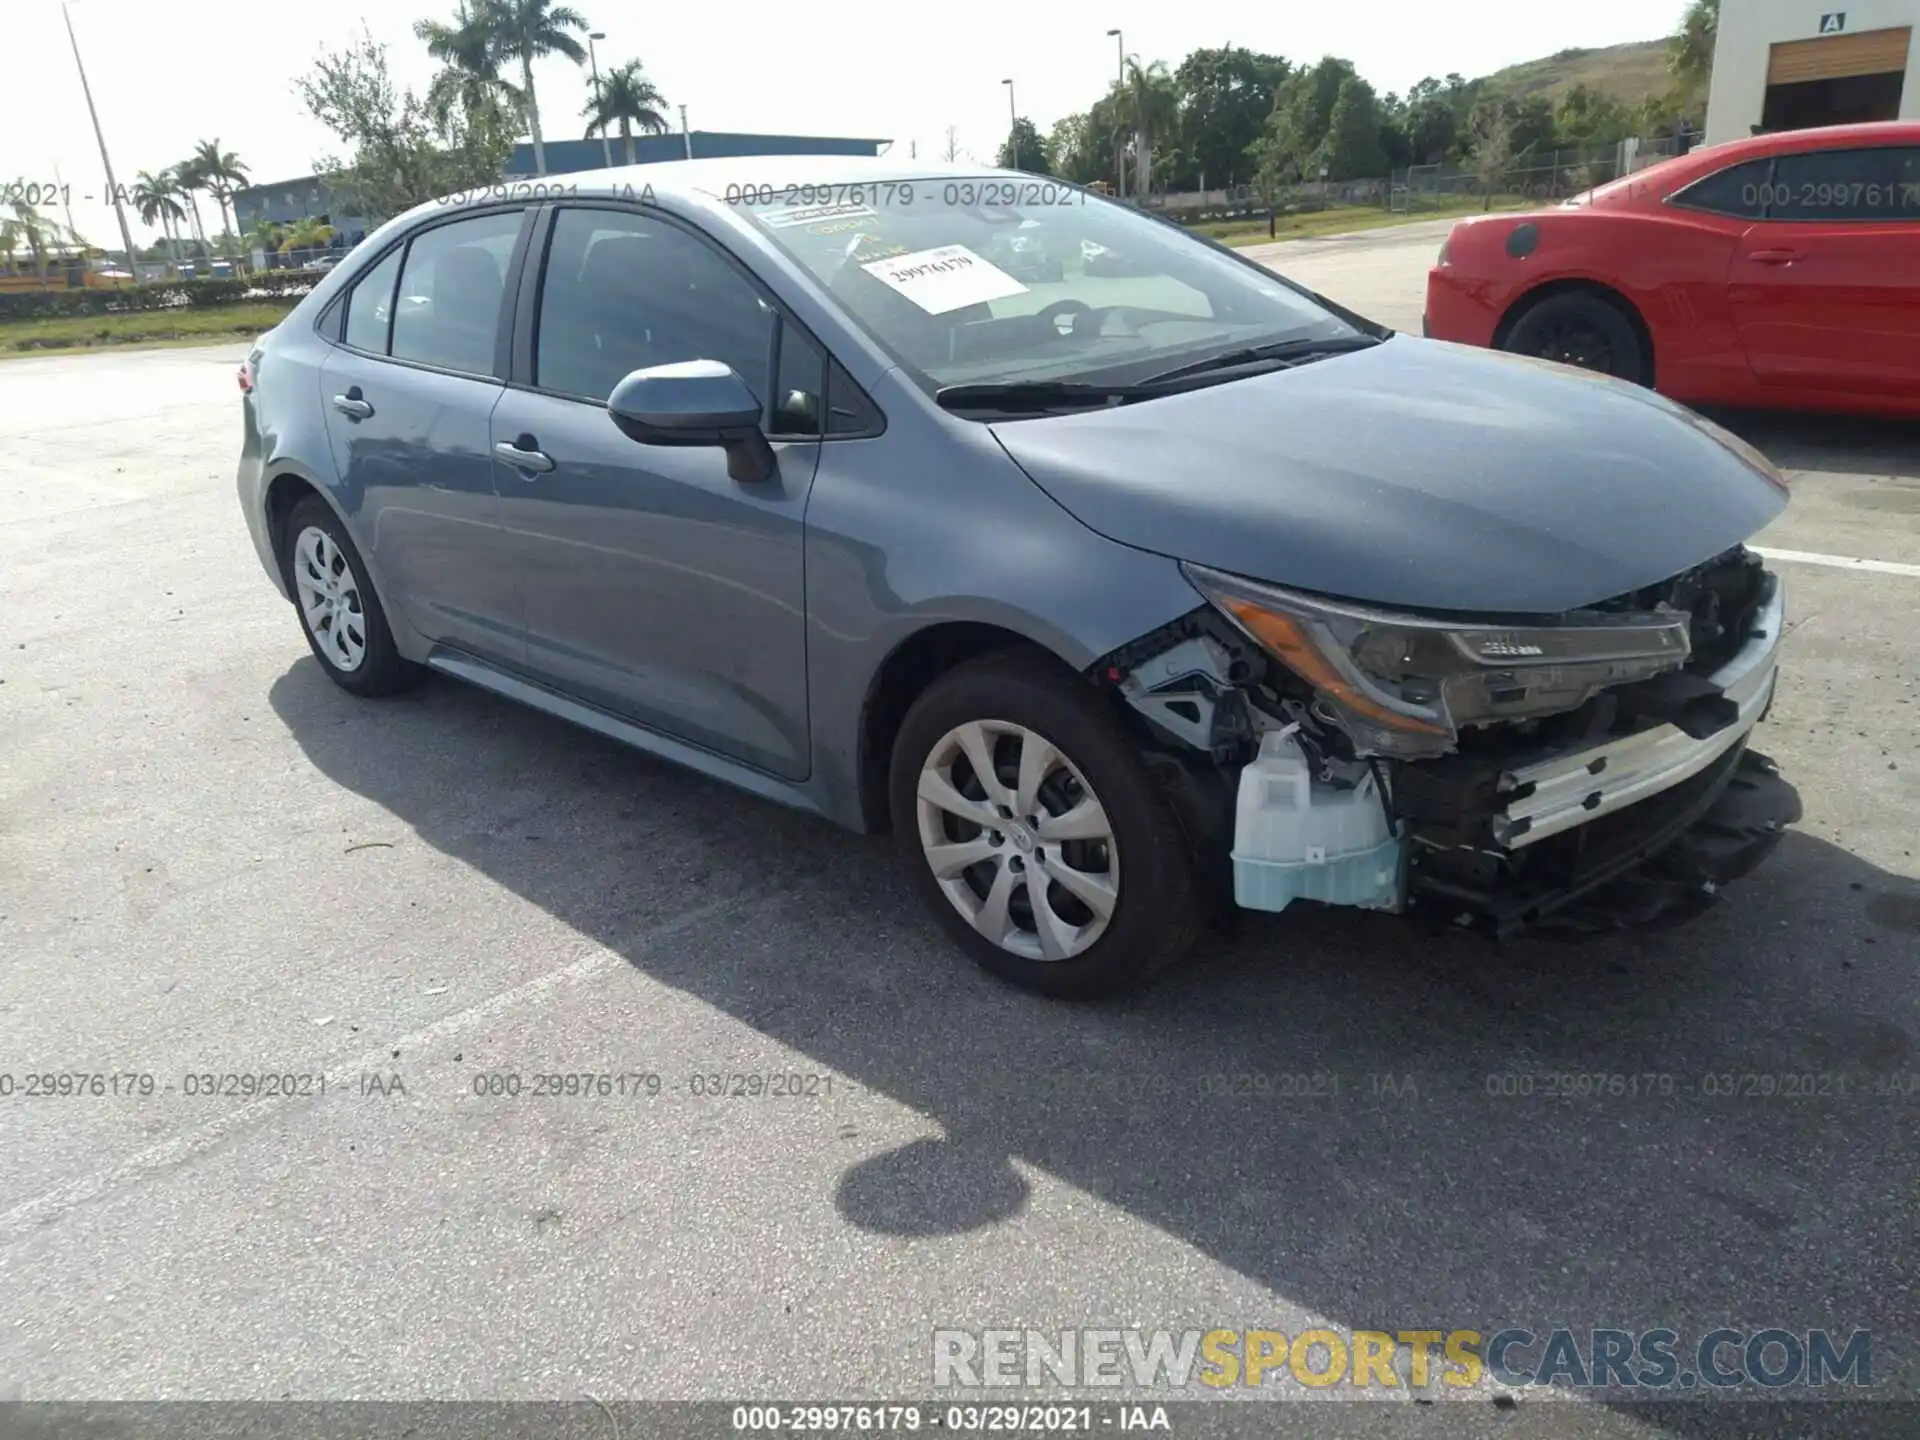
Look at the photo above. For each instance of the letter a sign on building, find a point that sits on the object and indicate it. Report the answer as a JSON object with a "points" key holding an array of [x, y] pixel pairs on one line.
{"points": [[1833, 24]]}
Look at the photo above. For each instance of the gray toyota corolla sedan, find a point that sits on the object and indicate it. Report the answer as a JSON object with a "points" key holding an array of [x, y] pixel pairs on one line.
{"points": [[1122, 580]]}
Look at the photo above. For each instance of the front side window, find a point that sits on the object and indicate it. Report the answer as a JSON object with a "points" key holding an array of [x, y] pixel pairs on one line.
{"points": [[1002, 280], [625, 292], [1739, 191], [452, 283], [1863, 186]]}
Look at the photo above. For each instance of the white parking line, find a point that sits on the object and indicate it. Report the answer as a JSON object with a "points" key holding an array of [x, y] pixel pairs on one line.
{"points": [[25, 1217], [1839, 562]]}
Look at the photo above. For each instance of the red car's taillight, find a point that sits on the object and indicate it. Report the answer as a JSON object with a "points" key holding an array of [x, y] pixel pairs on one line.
{"points": [[246, 377]]}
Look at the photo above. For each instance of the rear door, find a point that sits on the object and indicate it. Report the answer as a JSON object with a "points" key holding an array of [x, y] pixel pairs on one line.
{"points": [[657, 586], [409, 392], [1825, 289]]}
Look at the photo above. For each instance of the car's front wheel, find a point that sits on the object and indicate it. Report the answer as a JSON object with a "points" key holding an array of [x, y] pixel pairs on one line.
{"points": [[1032, 830], [339, 611]]}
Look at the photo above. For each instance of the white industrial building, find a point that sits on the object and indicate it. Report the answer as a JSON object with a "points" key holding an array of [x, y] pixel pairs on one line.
{"points": [[1790, 64]]}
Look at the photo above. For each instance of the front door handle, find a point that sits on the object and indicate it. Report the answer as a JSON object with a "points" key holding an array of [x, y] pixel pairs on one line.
{"points": [[352, 405], [1775, 257], [526, 458]]}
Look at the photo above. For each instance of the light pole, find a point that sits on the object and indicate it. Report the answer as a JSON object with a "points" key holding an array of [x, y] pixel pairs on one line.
{"points": [[606, 145], [1013, 124], [686, 135], [1119, 145], [113, 190]]}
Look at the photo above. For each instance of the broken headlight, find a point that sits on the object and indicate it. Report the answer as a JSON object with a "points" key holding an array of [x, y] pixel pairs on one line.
{"points": [[1406, 685]]}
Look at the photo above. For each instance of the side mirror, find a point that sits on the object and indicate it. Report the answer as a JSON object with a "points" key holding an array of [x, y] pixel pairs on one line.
{"points": [[695, 402]]}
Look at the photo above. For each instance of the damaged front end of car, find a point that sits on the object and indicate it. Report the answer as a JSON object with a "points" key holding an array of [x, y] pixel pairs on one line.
{"points": [[1584, 771]]}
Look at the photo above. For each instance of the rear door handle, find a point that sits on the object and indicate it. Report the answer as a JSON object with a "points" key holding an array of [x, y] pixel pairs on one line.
{"points": [[352, 405], [1775, 257], [523, 459]]}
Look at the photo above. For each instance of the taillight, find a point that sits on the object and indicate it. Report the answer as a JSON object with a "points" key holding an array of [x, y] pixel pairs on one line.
{"points": [[246, 376]]}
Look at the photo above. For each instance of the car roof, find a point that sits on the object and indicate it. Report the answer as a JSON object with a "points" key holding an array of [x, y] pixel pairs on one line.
{"points": [[1824, 137], [715, 177]]}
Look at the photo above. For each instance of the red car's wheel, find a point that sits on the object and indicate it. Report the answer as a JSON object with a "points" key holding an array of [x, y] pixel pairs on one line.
{"points": [[1585, 330]]}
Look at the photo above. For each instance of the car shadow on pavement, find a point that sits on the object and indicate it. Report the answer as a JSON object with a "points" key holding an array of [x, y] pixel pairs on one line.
{"points": [[1360, 1118], [1855, 444]]}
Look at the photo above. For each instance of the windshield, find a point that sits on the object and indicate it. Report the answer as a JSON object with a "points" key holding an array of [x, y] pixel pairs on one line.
{"points": [[1002, 280]]}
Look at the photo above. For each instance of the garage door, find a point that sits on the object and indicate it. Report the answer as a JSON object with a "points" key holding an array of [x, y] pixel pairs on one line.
{"points": [[1835, 57]]}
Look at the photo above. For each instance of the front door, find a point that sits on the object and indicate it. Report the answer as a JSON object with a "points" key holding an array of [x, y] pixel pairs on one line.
{"points": [[409, 395], [655, 585], [1825, 291]]}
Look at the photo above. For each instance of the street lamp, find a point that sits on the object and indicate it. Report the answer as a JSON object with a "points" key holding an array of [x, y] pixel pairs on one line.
{"points": [[1119, 146], [113, 190], [686, 135], [1120, 44], [1013, 124], [606, 145]]}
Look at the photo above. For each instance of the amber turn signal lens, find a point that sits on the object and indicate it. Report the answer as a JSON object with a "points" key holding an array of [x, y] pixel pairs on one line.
{"points": [[1282, 635]]}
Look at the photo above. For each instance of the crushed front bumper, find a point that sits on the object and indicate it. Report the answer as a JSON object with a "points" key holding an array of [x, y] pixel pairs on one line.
{"points": [[1551, 795], [1636, 830]]}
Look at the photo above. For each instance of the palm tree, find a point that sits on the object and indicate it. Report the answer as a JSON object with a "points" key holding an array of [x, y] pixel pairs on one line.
{"points": [[627, 98], [530, 29], [154, 198], [471, 50], [221, 172], [265, 235], [308, 234], [21, 225], [1690, 49], [188, 182], [1155, 105]]}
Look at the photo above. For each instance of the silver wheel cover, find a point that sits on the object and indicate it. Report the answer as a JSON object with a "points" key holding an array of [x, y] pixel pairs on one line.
{"points": [[329, 599], [1018, 841]]}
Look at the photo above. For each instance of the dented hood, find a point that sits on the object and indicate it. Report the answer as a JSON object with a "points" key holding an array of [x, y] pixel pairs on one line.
{"points": [[1416, 474]]}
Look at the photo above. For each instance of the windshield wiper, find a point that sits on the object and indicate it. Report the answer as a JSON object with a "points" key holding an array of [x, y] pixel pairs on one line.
{"points": [[1259, 354], [1039, 395]]}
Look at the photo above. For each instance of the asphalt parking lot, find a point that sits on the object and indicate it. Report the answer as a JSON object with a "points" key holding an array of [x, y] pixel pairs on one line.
{"points": [[212, 861]]}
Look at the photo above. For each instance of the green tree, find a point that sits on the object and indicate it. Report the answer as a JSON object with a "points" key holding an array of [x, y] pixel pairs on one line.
{"points": [[1530, 125], [1225, 97], [1690, 49], [626, 98], [188, 182], [401, 154], [1490, 136], [23, 227], [308, 234], [221, 172], [470, 52], [1351, 148], [1070, 154], [157, 203], [1586, 117], [1023, 150], [265, 235], [529, 30], [1155, 107]]}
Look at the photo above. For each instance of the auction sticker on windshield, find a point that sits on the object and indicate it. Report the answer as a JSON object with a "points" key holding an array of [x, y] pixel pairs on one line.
{"points": [[813, 214], [949, 277]]}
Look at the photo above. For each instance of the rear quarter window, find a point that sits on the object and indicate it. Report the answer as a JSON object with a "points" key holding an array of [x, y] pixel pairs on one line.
{"points": [[1740, 191]]}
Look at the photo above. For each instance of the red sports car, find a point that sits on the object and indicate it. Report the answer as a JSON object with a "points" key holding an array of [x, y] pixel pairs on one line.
{"points": [[1781, 271]]}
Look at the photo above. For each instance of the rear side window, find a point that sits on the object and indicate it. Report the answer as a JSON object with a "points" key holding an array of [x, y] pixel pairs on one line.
{"points": [[448, 309], [1863, 186], [370, 307], [623, 292], [1740, 191]]}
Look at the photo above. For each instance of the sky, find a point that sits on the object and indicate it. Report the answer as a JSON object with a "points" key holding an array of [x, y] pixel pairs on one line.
{"points": [[164, 77]]}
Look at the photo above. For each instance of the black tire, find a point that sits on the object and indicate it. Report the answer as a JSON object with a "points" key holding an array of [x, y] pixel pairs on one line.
{"points": [[383, 670], [1585, 330], [1157, 913]]}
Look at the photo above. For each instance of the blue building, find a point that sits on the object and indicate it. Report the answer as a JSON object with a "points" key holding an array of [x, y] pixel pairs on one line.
{"points": [[567, 156]]}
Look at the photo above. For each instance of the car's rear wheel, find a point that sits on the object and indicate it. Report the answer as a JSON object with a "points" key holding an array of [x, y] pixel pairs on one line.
{"points": [[339, 612], [1034, 833], [1584, 330]]}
